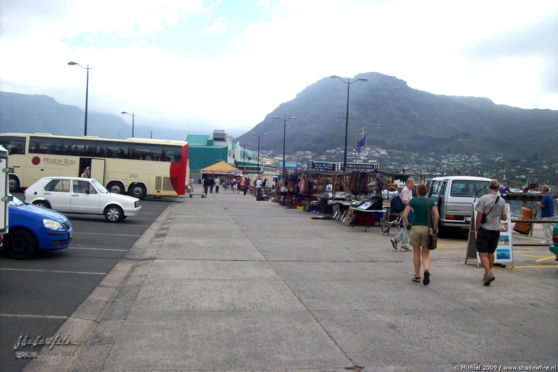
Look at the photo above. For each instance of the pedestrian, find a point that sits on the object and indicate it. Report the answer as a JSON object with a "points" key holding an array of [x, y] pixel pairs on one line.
{"points": [[246, 185], [217, 184], [403, 234], [86, 172], [205, 184], [259, 188], [547, 213], [211, 184], [491, 208], [421, 207], [234, 185]]}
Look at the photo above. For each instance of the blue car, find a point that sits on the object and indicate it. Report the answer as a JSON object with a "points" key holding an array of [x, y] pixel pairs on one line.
{"points": [[32, 228]]}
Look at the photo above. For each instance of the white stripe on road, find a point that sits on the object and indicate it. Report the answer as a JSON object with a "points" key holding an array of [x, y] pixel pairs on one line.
{"points": [[97, 233], [100, 249], [33, 316], [53, 271]]}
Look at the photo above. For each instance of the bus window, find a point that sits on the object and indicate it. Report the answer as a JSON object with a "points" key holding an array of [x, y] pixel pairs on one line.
{"points": [[78, 147], [14, 145], [143, 151], [172, 153], [43, 145]]}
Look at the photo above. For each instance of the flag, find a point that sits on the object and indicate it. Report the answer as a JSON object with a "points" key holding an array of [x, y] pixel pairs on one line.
{"points": [[361, 143]]}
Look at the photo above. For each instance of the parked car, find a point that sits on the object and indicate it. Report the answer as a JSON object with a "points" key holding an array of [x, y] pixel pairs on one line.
{"points": [[455, 196], [32, 228], [81, 195]]}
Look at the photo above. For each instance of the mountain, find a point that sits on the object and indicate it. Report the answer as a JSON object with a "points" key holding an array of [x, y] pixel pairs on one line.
{"points": [[395, 116], [42, 114]]}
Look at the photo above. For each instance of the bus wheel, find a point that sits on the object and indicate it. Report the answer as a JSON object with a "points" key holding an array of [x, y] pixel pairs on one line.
{"points": [[115, 187], [138, 191], [113, 213], [14, 184], [20, 244]]}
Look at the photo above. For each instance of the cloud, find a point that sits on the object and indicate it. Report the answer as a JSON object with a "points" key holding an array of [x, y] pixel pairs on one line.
{"points": [[146, 54], [217, 27]]}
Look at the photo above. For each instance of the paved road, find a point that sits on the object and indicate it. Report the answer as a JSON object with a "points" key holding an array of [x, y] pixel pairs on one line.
{"points": [[38, 295], [229, 283]]}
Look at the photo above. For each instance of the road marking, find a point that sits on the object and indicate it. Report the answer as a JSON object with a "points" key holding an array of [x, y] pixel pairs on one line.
{"points": [[535, 267], [450, 246], [100, 249], [34, 316], [104, 234], [528, 255], [53, 271], [546, 258]]}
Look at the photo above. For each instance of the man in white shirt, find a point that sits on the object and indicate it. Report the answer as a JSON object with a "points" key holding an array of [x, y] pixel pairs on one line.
{"points": [[403, 234], [217, 184], [259, 187]]}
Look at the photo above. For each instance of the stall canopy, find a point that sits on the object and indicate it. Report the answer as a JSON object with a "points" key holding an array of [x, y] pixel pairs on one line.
{"points": [[221, 168]]}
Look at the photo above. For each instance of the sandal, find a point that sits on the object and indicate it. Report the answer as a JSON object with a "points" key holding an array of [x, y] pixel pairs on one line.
{"points": [[416, 279]]}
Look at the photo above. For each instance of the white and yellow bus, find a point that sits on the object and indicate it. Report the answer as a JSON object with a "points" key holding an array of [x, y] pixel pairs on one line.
{"points": [[137, 166]]}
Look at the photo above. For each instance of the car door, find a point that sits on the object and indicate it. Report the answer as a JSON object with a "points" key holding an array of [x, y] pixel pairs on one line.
{"points": [[57, 192], [85, 198]]}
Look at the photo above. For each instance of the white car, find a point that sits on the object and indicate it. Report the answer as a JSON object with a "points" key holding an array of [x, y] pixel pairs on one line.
{"points": [[81, 195]]}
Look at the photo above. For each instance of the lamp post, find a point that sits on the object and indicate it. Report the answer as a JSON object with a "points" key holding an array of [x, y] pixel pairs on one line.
{"points": [[132, 115], [285, 119], [86, 92], [348, 82], [259, 135]]}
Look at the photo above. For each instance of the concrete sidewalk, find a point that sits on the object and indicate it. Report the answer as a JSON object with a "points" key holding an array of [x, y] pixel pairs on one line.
{"points": [[229, 283]]}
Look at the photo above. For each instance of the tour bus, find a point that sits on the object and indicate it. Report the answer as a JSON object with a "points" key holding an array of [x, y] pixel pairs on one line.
{"points": [[137, 166]]}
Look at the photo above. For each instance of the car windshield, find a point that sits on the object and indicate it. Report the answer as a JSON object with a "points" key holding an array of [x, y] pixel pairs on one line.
{"points": [[469, 188], [99, 187], [16, 202]]}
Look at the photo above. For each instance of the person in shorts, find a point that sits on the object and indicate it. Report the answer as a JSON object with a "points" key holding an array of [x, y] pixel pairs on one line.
{"points": [[418, 236], [493, 207]]}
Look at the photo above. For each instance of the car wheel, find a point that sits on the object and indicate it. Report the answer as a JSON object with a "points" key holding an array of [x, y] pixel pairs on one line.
{"points": [[14, 184], [138, 191], [42, 203], [113, 213], [20, 244], [115, 188]]}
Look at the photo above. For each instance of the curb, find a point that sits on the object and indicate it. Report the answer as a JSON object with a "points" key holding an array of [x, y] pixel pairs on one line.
{"points": [[81, 325]]}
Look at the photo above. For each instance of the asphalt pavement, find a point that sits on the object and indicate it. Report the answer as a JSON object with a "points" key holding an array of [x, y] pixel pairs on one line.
{"points": [[231, 283], [38, 295]]}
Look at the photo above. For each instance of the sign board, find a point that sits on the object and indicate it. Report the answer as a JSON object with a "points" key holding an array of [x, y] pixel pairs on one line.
{"points": [[322, 166], [361, 167], [504, 250]]}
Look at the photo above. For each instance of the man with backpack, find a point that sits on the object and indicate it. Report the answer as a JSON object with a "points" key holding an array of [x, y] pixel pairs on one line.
{"points": [[405, 196]]}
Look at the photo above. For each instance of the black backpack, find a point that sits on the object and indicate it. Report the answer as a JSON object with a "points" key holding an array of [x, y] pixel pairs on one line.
{"points": [[396, 205]]}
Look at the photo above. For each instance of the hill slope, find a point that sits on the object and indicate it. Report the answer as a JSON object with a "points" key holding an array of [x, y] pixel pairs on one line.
{"points": [[395, 116]]}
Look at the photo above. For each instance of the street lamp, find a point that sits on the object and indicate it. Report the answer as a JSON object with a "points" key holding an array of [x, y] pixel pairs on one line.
{"points": [[132, 115], [348, 82], [285, 119], [259, 135], [86, 92]]}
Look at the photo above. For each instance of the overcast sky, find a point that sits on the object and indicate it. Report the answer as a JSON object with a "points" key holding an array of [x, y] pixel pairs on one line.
{"points": [[228, 63]]}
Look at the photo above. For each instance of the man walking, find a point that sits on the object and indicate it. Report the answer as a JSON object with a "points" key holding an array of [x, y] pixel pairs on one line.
{"points": [[259, 188], [217, 184], [491, 208], [547, 213], [403, 234]]}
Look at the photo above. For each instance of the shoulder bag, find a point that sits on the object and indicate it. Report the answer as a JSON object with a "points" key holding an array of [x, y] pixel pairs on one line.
{"points": [[483, 218], [432, 241]]}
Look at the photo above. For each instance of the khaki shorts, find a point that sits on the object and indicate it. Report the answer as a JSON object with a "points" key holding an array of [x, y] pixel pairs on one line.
{"points": [[418, 236]]}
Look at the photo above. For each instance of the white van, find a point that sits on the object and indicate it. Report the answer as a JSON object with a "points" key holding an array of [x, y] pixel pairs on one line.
{"points": [[455, 196]]}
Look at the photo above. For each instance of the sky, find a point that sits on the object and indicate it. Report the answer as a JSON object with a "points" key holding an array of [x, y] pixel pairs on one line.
{"points": [[226, 64]]}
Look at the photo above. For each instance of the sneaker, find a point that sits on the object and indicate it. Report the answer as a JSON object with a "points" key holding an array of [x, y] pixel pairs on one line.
{"points": [[393, 243], [426, 279], [406, 249], [488, 279]]}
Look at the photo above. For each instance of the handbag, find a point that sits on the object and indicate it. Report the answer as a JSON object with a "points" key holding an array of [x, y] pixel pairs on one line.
{"points": [[432, 241], [483, 218]]}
